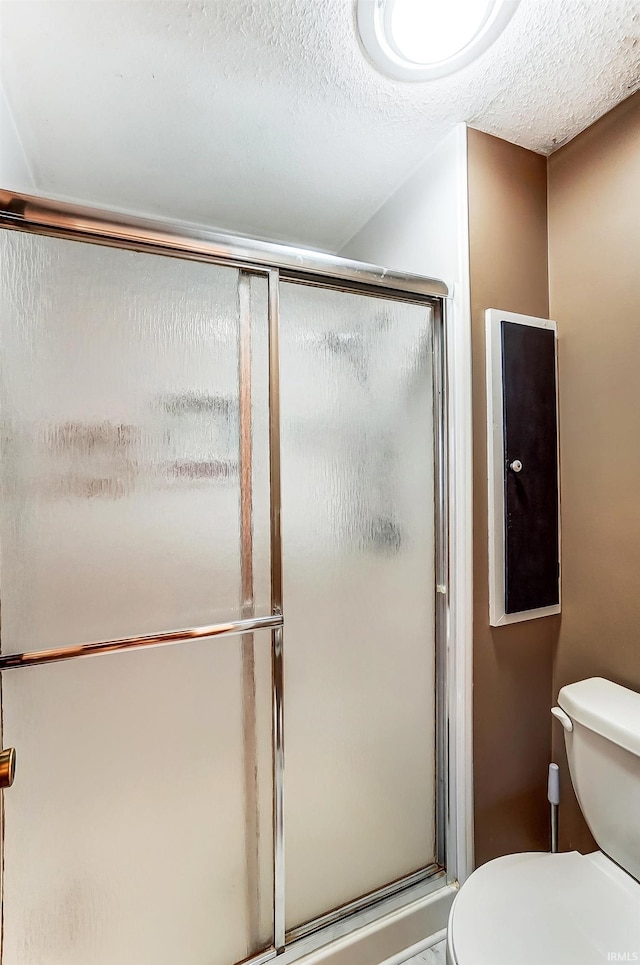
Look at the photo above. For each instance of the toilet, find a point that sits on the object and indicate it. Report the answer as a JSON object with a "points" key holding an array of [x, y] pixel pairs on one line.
{"points": [[568, 908]]}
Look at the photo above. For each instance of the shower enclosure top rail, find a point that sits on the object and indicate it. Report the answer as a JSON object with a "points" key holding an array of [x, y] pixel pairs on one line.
{"points": [[60, 219]]}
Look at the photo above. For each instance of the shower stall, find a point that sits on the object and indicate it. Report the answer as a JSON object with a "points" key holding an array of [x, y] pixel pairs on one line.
{"points": [[223, 573]]}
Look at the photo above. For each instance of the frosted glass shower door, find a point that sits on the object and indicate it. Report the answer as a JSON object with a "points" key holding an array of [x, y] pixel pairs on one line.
{"points": [[120, 466], [358, 540], [128, 835], [139, 827]]}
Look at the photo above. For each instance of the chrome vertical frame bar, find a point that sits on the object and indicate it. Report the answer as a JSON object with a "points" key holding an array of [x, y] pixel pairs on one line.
{"points": [[278, 791], [274, 439], [441, 448], [276, 609], [245, 446], [247, 607]]}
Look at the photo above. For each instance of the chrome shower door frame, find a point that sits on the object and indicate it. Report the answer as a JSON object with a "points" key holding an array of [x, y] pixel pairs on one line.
{"points": [[275, 262]]}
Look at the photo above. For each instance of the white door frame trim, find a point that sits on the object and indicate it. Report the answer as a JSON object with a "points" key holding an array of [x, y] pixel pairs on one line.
{"points": [[460, 860]]}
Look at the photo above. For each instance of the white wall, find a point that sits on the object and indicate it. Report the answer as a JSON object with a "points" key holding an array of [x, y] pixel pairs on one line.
{"points": [[15, 173], [417, 229], [423, 228]]}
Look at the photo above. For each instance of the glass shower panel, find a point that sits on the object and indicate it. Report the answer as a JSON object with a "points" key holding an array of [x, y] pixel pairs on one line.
{"points": [[358, 592], [121, 452], [131, 835]]}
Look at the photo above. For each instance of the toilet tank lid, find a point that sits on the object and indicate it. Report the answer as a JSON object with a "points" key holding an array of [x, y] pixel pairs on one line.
{"points": [[605, 708]]}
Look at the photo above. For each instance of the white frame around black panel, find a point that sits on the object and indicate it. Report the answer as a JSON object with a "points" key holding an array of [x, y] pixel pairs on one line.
{"points": [[498, 616]]}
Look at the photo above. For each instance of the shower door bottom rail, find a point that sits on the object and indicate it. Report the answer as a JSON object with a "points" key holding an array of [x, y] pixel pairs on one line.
{"points": [[432, 871], [261, 958]]}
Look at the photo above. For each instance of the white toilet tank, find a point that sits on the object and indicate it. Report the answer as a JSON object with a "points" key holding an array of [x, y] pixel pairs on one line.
{"points": [[604, 759]]}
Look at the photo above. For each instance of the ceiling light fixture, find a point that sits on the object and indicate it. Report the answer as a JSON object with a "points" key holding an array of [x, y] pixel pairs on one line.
{"points": [[425, 39]]}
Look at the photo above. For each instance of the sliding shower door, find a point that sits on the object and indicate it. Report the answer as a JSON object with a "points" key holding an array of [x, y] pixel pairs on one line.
{"points": [[211, 470], [121, 484], [358, 538], [139, 827]]}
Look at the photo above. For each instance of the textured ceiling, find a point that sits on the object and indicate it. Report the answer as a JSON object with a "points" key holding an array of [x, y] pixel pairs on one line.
{"points": [[266, 119]]}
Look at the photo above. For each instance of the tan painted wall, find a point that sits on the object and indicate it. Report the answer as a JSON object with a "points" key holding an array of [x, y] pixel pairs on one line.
{"points": [[512, 665], [594, 250]]}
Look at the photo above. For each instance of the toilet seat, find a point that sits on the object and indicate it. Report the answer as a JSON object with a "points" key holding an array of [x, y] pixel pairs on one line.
{"points": [[546, 909]]}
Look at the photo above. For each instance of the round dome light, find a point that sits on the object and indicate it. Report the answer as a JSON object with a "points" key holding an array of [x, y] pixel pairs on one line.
{"points": [[425, 39]]}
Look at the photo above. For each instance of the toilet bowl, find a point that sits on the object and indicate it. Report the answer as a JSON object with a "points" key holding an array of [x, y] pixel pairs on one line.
{"points": [[568, 908]]}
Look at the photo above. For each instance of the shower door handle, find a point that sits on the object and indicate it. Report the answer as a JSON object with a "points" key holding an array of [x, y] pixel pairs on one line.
{"points": [[7, 767]]}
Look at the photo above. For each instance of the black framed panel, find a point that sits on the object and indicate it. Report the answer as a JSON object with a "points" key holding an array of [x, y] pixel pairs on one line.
{"points": [[523, 467]]}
